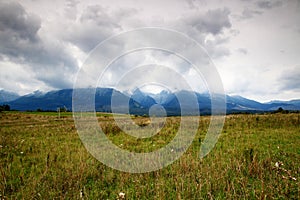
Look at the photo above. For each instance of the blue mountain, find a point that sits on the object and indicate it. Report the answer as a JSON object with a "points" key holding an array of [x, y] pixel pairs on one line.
{"points": [[143, 98], [112, 100]]}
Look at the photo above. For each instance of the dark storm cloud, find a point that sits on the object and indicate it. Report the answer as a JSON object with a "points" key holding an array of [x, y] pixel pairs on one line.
{"points": [[213, 21], [290, 79], [21, 43], [14, 21], [18, 29], [268, 4]]}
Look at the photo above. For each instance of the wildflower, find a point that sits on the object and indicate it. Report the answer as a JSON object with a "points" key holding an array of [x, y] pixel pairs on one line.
{"points": [[121, 195], [284, 177], [172, 150], [81, 194], [21, 152], [278, 164]]}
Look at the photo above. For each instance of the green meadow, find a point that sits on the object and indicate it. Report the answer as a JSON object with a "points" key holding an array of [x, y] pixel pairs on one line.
{"points": [[256, 157]]}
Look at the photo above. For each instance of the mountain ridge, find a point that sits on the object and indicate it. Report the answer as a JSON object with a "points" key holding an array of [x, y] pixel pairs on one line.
{"points": [[140, 102]]}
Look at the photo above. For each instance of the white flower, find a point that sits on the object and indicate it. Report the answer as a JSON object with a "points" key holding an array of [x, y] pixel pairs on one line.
{"points": [[121, 195], [278, 164], [21, 152], [82, 193]]}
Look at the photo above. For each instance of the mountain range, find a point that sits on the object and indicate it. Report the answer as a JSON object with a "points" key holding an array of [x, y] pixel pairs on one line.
{"points": [[139, 102]]}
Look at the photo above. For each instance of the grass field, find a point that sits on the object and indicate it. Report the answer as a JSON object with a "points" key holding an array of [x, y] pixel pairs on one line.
{"points": [[256, 157]]}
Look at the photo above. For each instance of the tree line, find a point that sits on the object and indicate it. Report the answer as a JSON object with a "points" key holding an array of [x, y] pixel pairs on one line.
{"points": [[4, 107]]}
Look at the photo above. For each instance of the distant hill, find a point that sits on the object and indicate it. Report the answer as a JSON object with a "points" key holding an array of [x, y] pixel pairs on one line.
{"points": [[238, 103], [286, 105], [243, 104], [139, 102], [45, 101]]}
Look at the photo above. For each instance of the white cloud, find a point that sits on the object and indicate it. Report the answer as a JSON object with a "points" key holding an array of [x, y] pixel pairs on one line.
{"points": [[291, 79], [17, 78]]}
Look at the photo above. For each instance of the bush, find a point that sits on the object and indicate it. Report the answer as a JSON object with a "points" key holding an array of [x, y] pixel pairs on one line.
{"points": [[4, 107]]}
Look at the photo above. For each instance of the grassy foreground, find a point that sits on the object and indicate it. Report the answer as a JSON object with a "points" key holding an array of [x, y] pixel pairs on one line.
{"points": [[256, 157]]}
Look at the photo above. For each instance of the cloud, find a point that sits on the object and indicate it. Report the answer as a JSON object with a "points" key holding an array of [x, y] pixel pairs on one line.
{"points": [[16, 24], [290, 79], [208, 29], [24, 42], [95, 24], [18, 30], [47, 55], [71, 10], [268, 4], [16, 78], [248, 13], [213, 21], [193, 3], [243, 51]]}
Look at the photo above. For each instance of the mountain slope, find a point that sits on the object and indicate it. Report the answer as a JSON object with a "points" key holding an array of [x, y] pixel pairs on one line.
{"points": [[143, 99], [161, 97], [6, 96], [241, 103], [48, 101]]}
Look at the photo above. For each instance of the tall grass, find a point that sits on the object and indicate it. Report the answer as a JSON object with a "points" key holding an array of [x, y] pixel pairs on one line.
{"points": [[256, 157]]}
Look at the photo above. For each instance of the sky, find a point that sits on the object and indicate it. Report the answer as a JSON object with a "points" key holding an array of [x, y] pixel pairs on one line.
{"points": [[254, 44]]}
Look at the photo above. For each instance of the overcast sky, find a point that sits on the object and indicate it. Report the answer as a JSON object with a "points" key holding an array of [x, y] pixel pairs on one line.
{"points": [[254, 44]]}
